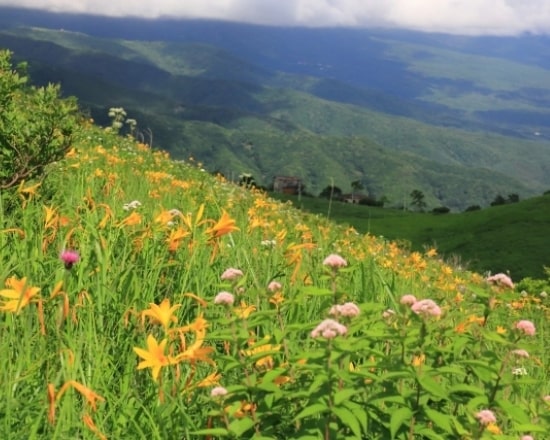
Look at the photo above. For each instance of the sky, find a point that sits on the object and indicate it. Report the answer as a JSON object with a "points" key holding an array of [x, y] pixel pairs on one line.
{"points": [[463, 17]]}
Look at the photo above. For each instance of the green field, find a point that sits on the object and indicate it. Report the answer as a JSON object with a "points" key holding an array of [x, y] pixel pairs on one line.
{"points": [[511, 238]]}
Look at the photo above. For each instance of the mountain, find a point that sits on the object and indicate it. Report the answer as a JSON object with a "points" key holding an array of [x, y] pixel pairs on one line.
{"points": [[462, 119]]}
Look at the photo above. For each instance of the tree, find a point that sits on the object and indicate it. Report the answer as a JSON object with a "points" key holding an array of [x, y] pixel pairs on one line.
{"points": [[417, 201], [36, 125], [499, 200], [331, 192], [247, 180]]}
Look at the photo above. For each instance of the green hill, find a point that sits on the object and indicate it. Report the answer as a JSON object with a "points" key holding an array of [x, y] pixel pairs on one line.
{"points": [[509, 238], [197, 100]]}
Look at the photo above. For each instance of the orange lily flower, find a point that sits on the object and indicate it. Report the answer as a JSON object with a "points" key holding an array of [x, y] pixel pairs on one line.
{"points": [[18, 294], [224, 225], [91, 397], [163, 313], [133, 219], [154, 356]]}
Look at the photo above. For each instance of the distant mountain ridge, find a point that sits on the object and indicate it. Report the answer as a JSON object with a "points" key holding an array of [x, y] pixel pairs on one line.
{"points": [[399, 118]]}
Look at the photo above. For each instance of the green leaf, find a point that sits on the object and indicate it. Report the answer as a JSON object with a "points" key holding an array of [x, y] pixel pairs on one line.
{"points": [[240, 426], [344, 395], [429, 385], [398, 418], [221, 432], [529, 427], [316, 291], [348, 419], [515, 412], [314, 409], [443, 421]]}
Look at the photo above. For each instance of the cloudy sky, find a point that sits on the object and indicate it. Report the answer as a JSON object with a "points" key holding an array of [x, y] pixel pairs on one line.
{"points": [[468, 17]]}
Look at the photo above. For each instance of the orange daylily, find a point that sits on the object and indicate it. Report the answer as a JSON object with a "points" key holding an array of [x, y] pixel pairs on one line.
{"points": [[175, 237], [133, 219], [154, 356], [244, 310], [224, 225], [92, 426], [91, 396], [162, 314], [18, 294]]}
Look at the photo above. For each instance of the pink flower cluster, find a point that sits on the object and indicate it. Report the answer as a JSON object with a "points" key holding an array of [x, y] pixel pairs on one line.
{"points": [[335, 261], [408, 300], [329, 329], [486, 416], [224, 298], [526, 327], [423, 307], [426, 307], [274, 286], [501, 279], [527, 437], [231, 274], [520, 353], [349, 310], [218, 392]]}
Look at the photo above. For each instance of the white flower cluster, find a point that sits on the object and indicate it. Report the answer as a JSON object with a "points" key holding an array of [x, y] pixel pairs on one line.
{"points": [[132, 205]]}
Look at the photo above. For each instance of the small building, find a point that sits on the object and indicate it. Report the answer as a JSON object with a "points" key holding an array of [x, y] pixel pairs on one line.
{"points": [[353, 198], [287, 185]]}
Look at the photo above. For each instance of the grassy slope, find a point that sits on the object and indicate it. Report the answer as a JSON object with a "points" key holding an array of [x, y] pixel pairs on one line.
{"points": [[290, 132], [503, 238]]}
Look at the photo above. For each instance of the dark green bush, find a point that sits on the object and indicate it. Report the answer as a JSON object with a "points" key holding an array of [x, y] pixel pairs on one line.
{"points": [[36, 125]]}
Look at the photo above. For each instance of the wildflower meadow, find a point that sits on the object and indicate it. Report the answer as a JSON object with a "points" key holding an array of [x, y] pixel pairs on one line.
{"points": [[144, 298]]}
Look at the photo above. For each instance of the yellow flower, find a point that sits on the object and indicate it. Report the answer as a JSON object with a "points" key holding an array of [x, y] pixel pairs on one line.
{"points": [[264, 361], [244, 310], [224, 225], [18, 294], [493, 428], [277, 299], [154, 356], [162, 314]]}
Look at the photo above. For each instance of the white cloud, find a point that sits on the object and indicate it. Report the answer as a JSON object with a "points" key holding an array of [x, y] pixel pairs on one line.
{"points": [[500, 17]]}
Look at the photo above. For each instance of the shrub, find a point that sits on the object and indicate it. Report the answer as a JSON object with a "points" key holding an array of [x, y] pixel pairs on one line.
{"points": [[472, 208], [441, 210], [36, 125]]}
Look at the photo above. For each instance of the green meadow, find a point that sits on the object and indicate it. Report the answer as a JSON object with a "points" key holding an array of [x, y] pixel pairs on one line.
{"points": [[144, 298], [511, 238]]}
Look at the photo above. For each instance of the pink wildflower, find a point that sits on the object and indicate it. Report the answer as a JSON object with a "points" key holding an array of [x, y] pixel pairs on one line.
{"points": [[501, 279], [274, 286], [69, 258], [348, 309], [231, 274], [408, 300], [486, 417], [388, 314], [527, 437], [329, 329], [426, 307], [335, 261], [520, 353], [218, 392], [527, 327], [225, 298]]}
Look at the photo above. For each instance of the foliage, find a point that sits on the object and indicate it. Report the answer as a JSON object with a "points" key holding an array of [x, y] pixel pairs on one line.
{"points": [[331, 192], [36, 125], [204, 102], [512, 237], [149, 299], [417, 199]]}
